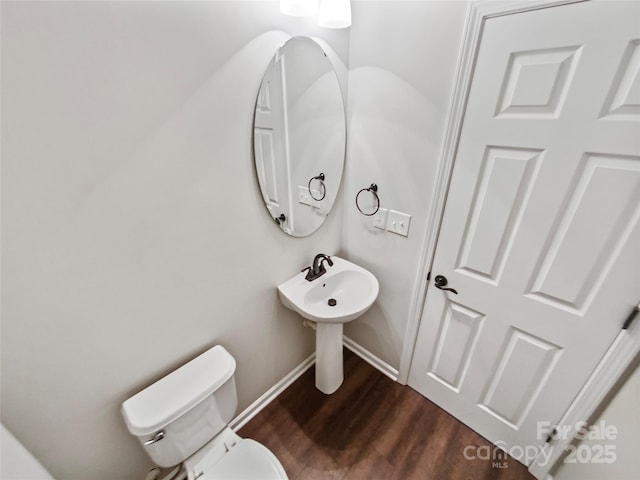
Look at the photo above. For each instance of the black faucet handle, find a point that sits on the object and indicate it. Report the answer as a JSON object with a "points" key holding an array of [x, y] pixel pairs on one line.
{"points": [[311, 274]]}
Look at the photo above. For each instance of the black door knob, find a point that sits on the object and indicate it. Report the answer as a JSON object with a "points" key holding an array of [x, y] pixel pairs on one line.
{"points": [[441, 282]]}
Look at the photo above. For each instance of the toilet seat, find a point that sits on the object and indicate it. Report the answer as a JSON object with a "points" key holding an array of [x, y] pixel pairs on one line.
{"points": [[246, 460]]}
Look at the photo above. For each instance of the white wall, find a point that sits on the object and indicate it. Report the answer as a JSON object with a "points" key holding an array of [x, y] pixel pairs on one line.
{"points": [[401, 70], [134, 233]]}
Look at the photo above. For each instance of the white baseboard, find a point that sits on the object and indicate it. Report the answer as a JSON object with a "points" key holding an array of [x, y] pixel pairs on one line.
{"points": [[268, 396], [252, 410], [371, 359]]}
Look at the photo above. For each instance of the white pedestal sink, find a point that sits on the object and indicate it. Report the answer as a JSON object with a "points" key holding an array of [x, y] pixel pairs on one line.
{"points": [[339, 296]]}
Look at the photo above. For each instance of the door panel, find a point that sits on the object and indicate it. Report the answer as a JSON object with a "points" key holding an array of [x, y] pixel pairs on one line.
{"points": [[537, 82], [575, 260], [623, 102], [541, 229], [270, 141], [522, 367], [501, 192], [460, 329]]}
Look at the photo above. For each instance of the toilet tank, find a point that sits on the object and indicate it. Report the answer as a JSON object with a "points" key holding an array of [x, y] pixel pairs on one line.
{"points": [[181, 412]]}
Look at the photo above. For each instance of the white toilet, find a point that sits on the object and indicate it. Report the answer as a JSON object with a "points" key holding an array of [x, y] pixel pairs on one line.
{"points": [[184, 418]]}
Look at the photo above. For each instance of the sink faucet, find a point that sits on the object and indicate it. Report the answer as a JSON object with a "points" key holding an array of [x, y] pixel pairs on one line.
{"points": [[317, 268]]}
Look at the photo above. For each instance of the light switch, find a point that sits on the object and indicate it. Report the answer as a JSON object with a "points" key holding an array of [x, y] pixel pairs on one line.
{"points": [[303, 196], [380, 219], [398, 222]]}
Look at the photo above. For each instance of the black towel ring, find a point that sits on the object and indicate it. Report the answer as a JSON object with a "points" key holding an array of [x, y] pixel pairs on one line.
{"points": [[373, 189], [320, 178]]}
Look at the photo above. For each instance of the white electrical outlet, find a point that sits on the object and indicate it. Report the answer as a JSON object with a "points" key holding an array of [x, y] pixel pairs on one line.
{"points": [[303, 196], [380, 219], [398, 222]]}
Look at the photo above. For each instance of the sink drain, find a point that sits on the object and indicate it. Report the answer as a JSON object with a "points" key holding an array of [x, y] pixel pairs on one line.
{"points": [[332, 302]]}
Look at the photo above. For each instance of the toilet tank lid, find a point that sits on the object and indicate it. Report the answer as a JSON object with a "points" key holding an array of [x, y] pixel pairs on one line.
{"points": [[170, 397]]}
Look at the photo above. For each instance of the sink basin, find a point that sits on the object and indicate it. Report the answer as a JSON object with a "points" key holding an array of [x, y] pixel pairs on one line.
{"points": [[339, 296], [342, 294]]}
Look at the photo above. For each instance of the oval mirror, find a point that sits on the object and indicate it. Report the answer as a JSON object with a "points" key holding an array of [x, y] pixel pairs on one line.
{"points": [[299, 137]]}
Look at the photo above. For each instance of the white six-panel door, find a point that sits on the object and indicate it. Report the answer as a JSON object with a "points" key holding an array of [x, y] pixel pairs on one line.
{"points": [[540, 235], [270, 144]]}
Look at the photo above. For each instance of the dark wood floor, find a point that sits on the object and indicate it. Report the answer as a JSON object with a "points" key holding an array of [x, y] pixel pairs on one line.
{"points": [[371, 428]]}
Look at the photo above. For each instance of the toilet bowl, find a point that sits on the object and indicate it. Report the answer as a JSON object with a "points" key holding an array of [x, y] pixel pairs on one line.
{"points": [[184, 417]]}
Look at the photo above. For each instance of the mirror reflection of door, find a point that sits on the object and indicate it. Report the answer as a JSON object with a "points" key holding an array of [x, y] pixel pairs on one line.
{"points": [[270, 145], [299, 133]]}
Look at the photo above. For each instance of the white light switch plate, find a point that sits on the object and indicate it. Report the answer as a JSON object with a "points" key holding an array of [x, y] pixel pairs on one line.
{"points": [[398, 222], [303, 196], [380, 219]]}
